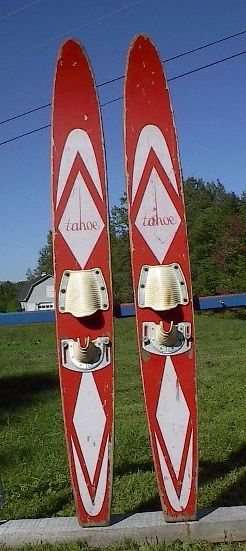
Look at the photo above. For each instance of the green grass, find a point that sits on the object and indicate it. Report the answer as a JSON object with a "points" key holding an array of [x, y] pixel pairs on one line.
{"points": [[32, 448]]}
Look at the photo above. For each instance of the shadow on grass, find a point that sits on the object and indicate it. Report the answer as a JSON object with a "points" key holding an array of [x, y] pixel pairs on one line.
{"points": [[133, 467], [17, 391], [234, 493], [54, 504], [209, 471], [15, 455], [152, 504]]}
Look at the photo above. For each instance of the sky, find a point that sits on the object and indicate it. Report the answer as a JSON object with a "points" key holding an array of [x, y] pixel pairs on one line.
{"points": [[209, 105]]}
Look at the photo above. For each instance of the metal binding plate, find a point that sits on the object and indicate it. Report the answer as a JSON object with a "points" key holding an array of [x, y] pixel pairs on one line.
{"points": [[166, 343], [162, 287], [93, 356], [82, 292]]}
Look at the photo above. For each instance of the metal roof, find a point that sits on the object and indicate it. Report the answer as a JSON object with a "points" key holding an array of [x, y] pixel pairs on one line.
{"points": [[27, 288]]}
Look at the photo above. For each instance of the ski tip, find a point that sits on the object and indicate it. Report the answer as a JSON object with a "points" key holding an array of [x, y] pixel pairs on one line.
{"points": [[69, 47], [72, 51], [143, 44], [70, 43], [140, 41], [72, 54], [144, 53]]}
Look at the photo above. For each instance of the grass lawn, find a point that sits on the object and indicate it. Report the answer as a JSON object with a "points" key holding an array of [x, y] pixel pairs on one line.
{"points": [[32, 450]]}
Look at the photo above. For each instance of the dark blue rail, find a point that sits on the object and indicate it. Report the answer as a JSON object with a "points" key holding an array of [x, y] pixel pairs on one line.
{"points": [[218, 302], [21, 318]]}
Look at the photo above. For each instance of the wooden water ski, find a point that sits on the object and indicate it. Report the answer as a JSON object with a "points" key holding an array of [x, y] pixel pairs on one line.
{"points": [[83, 283], [161, 278]]}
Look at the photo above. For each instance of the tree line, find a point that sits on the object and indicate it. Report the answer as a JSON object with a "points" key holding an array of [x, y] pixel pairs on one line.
{"points": [[216, 222]]}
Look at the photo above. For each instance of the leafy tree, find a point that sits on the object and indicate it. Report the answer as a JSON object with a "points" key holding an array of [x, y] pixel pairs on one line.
{"points": [[120, 253], [9, 296], [13, 306], [119, 217], [230, 255], [121, 268], [29, 274], [216, 226], [45, 260], [216, 222]]}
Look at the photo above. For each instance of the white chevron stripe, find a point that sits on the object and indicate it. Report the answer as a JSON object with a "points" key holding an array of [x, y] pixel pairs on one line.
{"points": [[79, 142], [93, 508], [177, 503], [151, 137]]}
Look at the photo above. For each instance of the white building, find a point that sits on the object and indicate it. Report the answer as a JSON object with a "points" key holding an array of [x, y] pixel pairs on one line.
{"points": [[38, 294]]}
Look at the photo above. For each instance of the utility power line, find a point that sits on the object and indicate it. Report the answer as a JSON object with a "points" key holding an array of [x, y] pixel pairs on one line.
{"points": [[69, 31], [192, 71], [10, 14], [238, 54], [182, 54], [25, 134], [25, 113], [228, 37]]}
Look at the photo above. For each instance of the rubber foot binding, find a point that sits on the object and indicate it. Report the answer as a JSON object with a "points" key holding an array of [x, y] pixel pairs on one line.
{"points": [[82, 293], [162, 287]]}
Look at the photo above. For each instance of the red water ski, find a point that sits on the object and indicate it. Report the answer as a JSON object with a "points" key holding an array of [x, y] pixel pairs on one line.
{"points": [[161, 277], [83, 283]]}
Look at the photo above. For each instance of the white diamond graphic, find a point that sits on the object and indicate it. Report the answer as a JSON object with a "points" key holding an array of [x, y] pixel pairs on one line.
{"points": [[173, 415], [89, 421], [81, 224], [157, 218]]}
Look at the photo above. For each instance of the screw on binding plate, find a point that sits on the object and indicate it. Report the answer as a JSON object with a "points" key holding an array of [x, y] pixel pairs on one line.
{"points": [[156, 340], [93, 356], [83, 292], [162, 287]]}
